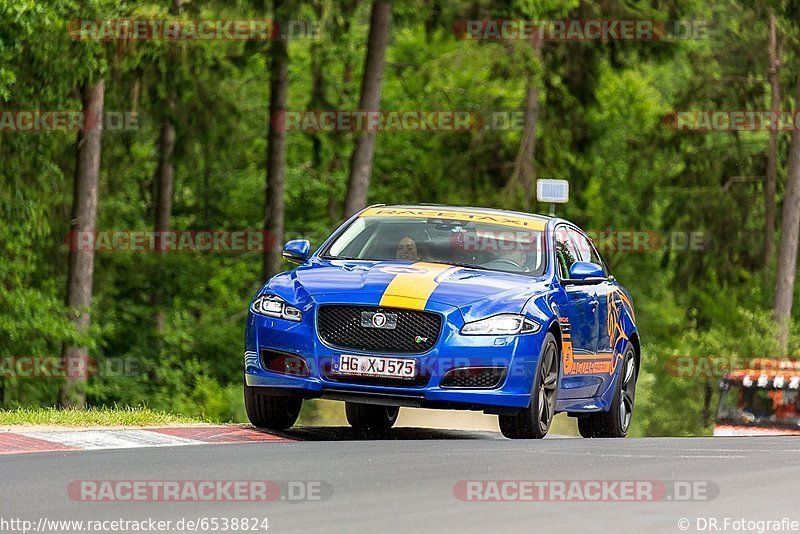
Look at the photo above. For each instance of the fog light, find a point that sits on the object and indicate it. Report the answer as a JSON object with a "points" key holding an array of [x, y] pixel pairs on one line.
{"points": [[284, 363]]}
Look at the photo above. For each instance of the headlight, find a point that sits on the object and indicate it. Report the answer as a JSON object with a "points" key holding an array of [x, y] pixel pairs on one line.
{"points": [[500, 325], [273, 306]]}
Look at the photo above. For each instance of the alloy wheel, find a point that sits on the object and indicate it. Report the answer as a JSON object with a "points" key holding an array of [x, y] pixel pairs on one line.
{"points": [[547, 388]]}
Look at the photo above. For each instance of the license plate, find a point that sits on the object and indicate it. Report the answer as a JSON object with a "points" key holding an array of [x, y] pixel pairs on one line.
{"points": [[348, 364]]}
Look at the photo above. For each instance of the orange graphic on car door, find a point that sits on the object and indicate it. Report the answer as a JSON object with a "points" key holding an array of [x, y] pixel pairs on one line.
{"points": [[566, 345]]}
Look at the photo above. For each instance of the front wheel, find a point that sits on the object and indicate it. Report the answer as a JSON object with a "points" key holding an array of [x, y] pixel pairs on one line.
{"points": [[371, 417], [271, 412], [534, 421], [615, 422]]}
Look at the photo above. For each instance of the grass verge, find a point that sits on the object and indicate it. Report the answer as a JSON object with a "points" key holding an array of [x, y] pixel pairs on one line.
{"points": [[116, 416]]}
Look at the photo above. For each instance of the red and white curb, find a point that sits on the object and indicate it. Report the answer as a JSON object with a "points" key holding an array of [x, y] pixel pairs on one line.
{"points": [[28, 441]]}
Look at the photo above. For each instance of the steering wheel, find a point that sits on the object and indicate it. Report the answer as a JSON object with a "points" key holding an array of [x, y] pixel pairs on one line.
{"points": [[500, 262]]}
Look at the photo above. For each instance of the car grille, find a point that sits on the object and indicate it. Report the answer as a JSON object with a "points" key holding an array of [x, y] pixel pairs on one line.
{"points": [[419, 381], [416, 331]]}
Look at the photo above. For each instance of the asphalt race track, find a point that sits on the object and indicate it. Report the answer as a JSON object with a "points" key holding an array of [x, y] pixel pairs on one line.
{"points": [[406, 483]]}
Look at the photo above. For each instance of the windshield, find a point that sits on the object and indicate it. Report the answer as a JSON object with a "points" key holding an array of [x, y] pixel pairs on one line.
{"points": [[481, 245], [755, 406]]}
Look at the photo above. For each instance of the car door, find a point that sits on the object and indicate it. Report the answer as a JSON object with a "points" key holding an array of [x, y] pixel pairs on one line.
{"points": [[599, 291], [605, 297], [581, 297], [579, 372]]}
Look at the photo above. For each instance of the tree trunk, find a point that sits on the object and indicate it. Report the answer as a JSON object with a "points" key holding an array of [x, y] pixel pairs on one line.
{"points": [[317, 101], [165, 184], [361, 161], [525, 164], [276, 154], [165, 172], [790, 231], [81, 262], [434, 21], [708, 395], [136, 90], [772, 154]]}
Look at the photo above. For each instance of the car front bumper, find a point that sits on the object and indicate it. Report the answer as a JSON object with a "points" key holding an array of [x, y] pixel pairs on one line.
{"points": [[517, 353]]}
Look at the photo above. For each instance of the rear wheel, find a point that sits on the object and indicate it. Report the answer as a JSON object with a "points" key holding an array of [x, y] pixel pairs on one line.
{"points": [[271, 412], [535, 420], [615, 422], [374, 417]]}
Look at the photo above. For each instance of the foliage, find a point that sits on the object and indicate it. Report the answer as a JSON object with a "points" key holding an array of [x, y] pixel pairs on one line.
{"points": [[601, 125]]}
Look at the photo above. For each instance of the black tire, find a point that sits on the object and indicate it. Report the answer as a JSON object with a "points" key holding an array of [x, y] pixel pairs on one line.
{"points": [[534, 421], [371, 417], [616, 422], [269, 411]]}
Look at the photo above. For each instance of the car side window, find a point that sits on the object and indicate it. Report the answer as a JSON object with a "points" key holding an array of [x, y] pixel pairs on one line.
{"points": [[585, 248], [566, 253]]}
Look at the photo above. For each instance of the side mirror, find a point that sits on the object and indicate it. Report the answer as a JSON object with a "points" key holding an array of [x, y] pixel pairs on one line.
{"points": [[586, 271], [297, 251]]}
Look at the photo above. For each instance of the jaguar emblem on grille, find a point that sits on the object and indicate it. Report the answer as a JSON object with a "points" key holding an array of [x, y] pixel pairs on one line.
{"points": [[385, 321], [378, 320]]}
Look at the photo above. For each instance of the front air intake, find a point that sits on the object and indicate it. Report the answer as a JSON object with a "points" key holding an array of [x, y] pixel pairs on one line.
{"points": [[473, 377]]}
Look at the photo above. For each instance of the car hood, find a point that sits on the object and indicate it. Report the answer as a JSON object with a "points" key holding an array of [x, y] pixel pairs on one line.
{"points": [[476, 292]]}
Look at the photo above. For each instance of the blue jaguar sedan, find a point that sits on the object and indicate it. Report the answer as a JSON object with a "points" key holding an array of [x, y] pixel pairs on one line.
{"points": [[446, 307]]}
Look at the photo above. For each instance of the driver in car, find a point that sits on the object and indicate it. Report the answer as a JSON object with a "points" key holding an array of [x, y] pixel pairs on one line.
{"points": [[407, 249], [519, 257]]}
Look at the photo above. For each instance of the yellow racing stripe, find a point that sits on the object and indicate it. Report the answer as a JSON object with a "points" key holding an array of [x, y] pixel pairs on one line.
{"points": [[500, 218], [412, 289]]}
